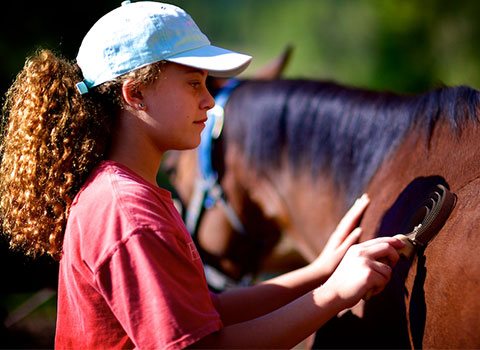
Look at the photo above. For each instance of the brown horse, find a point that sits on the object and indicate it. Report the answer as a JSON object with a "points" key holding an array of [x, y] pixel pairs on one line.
{"points": [[292, 157]]}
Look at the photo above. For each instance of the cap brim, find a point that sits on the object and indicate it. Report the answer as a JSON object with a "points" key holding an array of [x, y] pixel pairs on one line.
{"points": [[217, 61]]}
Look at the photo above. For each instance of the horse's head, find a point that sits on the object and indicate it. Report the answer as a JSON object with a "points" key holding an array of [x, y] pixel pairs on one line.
{"points": [[304, 150], [233, 233]]}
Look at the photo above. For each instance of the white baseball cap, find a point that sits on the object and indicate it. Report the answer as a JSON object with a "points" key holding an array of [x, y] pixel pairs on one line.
{"points": [[138, 34]]}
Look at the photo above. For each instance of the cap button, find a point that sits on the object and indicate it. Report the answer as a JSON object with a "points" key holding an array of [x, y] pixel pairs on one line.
{"points": [[126, 2]]}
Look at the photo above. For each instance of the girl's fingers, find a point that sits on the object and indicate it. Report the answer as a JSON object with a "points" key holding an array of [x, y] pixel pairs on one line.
{"points": [[381, 251], [350, 219], [383, 269], [383, 272], [351, 239], [394, 242]]}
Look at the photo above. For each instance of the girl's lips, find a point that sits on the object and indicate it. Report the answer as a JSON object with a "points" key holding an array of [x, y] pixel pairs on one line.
{"points": [[201, 121]]}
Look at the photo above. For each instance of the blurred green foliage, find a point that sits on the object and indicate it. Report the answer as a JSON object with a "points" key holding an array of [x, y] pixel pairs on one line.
{"points": [[406, 45]]}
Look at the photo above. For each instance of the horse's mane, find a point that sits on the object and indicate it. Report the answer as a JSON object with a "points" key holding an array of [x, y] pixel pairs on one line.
{"points": [[326, 126]]}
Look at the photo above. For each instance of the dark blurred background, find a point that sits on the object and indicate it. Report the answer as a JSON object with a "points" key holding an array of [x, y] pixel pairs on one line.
{"points": [[406, 46]]}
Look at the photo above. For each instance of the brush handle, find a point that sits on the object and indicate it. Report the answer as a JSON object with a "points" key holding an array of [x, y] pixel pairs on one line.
{"points": [[409, 249]]}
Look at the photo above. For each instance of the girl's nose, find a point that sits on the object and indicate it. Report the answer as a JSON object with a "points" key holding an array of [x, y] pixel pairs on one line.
{"points": [[209, 101]]}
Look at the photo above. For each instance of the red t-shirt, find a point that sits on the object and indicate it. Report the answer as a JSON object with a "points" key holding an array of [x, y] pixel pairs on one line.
{"points": [[130, 275]]}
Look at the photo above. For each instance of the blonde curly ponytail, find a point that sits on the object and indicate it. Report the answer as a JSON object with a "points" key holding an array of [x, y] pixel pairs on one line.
{"points": [[52, 139]]}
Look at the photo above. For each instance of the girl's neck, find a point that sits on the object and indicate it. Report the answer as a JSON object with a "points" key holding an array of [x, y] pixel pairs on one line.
{"points": [[145, 169], [130, 148]]}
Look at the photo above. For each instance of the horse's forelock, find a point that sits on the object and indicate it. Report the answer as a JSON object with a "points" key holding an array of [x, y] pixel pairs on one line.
{"points": [[344, 131]]}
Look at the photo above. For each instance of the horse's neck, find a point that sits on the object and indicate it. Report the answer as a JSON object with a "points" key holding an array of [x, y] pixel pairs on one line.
{"points": [[306, 209], [452, 157], [443, 277]]}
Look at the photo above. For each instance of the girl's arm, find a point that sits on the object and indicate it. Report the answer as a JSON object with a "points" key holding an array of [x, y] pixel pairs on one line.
{"points": [[365, 268], [247, 303]]}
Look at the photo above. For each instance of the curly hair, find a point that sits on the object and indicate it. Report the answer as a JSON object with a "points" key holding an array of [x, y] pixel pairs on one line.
{"points": [[52, 138]]}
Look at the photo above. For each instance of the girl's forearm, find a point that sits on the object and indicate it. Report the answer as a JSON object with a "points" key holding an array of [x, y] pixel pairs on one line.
{"points": [[283, 328], [241, 304]]}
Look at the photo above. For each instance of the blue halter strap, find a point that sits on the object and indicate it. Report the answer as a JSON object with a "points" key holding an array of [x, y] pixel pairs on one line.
{"points": [[208, 190]]}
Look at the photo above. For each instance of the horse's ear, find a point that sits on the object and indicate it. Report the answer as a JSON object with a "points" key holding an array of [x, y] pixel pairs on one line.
{"points": [[271, 70], [275, 68]]}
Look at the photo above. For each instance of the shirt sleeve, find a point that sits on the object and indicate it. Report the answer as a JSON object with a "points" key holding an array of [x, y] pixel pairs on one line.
{"points": [[155, 285]]}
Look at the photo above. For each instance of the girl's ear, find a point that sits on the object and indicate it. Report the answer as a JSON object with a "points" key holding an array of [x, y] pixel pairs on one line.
{"points": [[132, 94]]}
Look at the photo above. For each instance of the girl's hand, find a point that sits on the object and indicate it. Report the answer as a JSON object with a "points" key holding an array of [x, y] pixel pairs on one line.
{"points": [[365, 269], [346, 234]]}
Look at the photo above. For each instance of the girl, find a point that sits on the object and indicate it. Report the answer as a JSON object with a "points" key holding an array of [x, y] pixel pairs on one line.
{"points": [[82, 145]]}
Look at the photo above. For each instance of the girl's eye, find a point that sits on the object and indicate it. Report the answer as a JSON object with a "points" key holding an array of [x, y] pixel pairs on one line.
{"points": [[195, 84]]}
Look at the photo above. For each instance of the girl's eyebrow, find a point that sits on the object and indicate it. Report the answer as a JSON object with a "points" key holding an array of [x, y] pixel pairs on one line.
{"points": [[192, 70]]}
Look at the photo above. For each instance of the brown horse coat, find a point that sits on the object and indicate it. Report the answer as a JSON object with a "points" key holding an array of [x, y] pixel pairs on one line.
{"points": [[360, 141]]}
